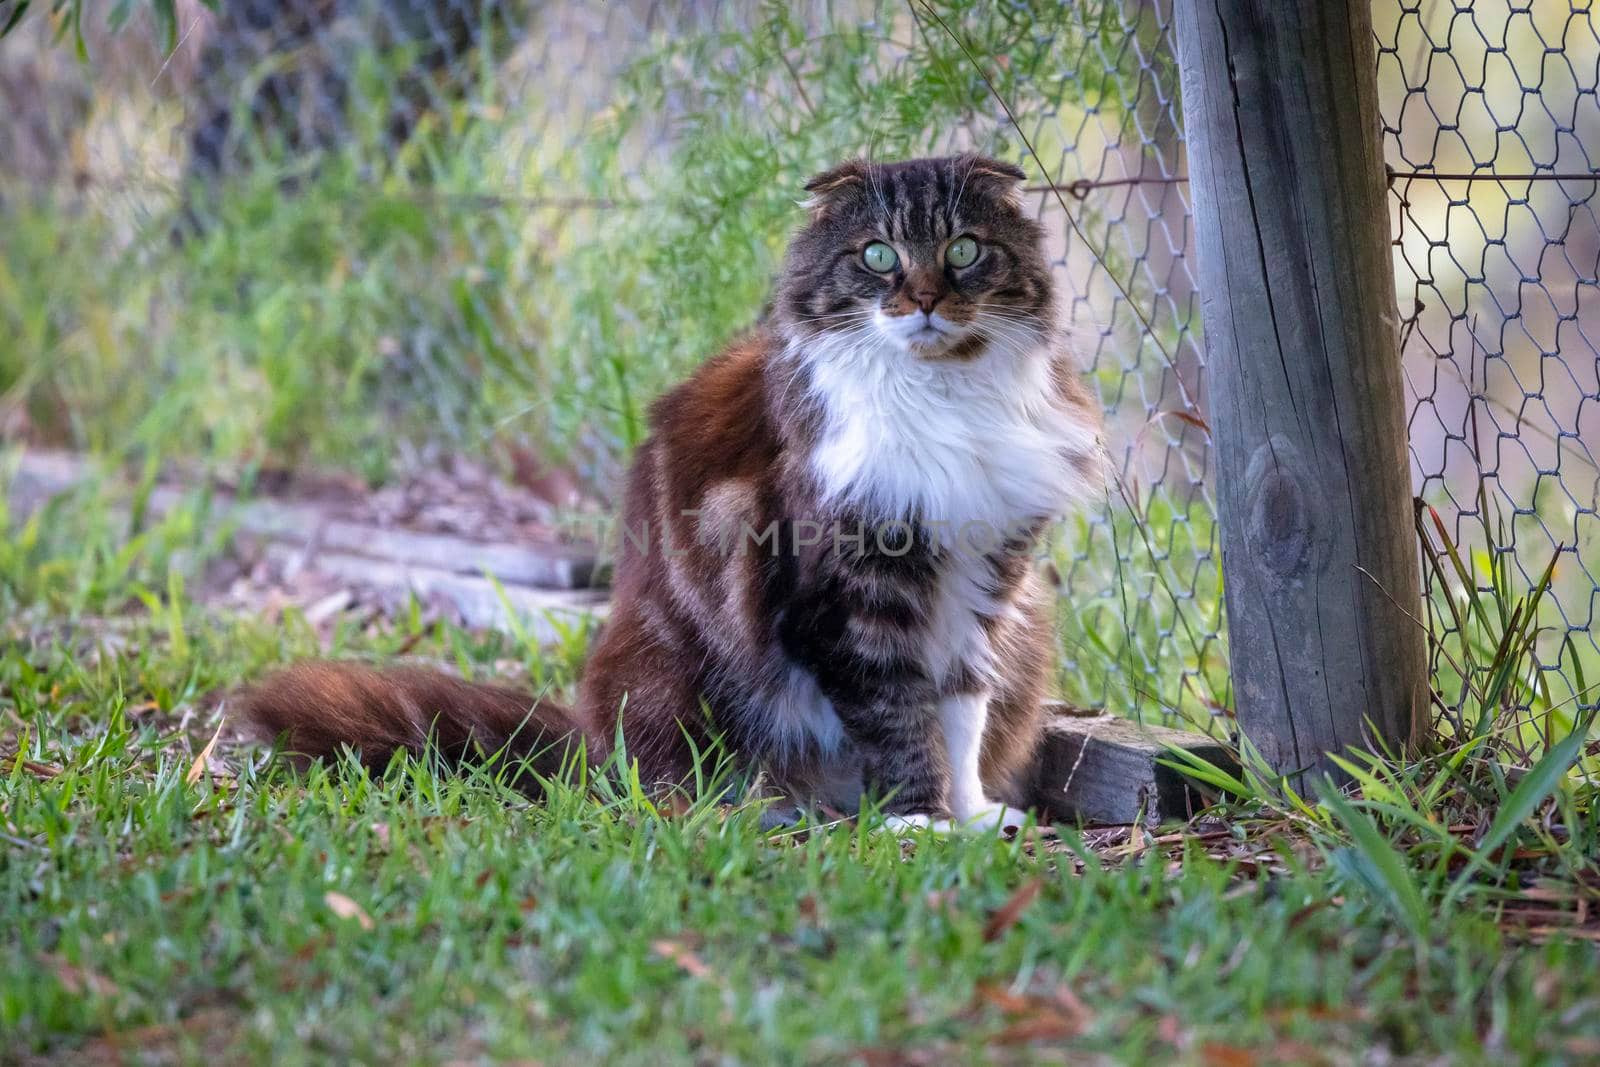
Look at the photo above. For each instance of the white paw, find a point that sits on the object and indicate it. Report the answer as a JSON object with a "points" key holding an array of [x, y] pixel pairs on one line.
{"points": [[915, 824], [994, 816]]}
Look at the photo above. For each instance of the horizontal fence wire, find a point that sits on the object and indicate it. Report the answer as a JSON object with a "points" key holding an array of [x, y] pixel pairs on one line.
{"points": [[332, 231]]}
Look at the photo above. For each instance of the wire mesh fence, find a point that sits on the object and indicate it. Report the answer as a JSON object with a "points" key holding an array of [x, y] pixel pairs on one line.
{"points": [[320, 227], [1491, 125]]}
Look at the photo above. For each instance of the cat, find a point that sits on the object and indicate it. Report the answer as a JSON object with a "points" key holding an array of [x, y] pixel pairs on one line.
{"points": [[827, 540]]}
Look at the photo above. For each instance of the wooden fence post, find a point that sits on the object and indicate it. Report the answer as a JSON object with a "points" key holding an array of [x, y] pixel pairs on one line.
{"points": [[1306, 403]]}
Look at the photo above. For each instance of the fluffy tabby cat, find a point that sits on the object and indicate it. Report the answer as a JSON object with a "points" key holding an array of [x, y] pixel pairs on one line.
{"points": [[826, 540]]}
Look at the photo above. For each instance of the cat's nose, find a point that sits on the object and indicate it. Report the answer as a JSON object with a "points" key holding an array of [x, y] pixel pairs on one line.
{"points": [[925, 288]]}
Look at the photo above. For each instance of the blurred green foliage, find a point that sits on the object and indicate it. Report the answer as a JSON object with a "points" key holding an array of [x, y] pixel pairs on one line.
{"points": [[332, 302], [68, 18]]}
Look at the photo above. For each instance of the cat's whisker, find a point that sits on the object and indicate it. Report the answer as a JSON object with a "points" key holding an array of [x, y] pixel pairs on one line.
{"points": [[872, 184], [830, 325], [1025, 323], [1004, 309], [971, 163], [859, 325], [1024, 326], [1007, 336], [1008, 320], [853, 313]]}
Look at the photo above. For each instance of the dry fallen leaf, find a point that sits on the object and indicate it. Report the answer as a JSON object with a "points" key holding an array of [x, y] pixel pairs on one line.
{"points": [[1583, 1046], [898, 1057], [328, 607], [345, 908], [1321, 1013], [1042, 1026], [312, 947], [1214, 1054], [1545, 933], [78, 980], [998, 996], [198, 767], [675, 806], [1033, 1016], [1009, 912], [1138, 841], [1299, 917], [162, 1042], [38, 770], [683, 956]]}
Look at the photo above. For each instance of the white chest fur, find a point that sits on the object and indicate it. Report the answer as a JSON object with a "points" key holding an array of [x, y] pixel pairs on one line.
{"points": [[982, 442], [976, 450]]}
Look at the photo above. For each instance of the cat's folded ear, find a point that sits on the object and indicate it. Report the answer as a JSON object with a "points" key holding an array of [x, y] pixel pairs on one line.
{"points": [[834, 188], [998, 176]]}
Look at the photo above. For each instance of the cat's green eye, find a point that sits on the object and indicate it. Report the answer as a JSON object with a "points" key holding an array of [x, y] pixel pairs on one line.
{"points": [[879, 257], [963, 252]]}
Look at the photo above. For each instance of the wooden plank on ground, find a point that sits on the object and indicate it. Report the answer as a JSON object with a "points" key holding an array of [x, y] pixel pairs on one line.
{"points": [[540, 613], [545, 565], [1106, 769]]}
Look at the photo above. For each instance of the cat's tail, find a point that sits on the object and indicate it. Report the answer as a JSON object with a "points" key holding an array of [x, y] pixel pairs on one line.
{"points": [[317, 708]]}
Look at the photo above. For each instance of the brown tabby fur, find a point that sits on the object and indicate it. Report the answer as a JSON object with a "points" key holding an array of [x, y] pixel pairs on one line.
{"points": [[809, 656]]}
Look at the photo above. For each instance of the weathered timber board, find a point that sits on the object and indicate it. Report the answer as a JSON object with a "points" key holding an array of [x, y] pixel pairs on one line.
{"points": [[545, 566], [542, 614], [545, 586], [1106, 769]]}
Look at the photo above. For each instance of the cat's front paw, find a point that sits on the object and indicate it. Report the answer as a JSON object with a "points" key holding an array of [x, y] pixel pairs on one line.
{"points": [[993, 815], [917, 823], [990, 815]]}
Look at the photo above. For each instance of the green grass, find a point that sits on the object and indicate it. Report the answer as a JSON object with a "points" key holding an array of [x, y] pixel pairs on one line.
{"points": [[180, 908]]}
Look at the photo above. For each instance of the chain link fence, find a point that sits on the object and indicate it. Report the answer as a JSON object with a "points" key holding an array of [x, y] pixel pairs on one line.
{"points": [[321, 227]]}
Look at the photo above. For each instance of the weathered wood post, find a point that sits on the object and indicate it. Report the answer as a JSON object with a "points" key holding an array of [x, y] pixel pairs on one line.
{"points": [[1306, 405]]}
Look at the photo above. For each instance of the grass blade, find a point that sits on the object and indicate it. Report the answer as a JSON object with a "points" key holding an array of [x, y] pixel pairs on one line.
{"points": [[1540, 781], [1203, 770], [1384, 869]]}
